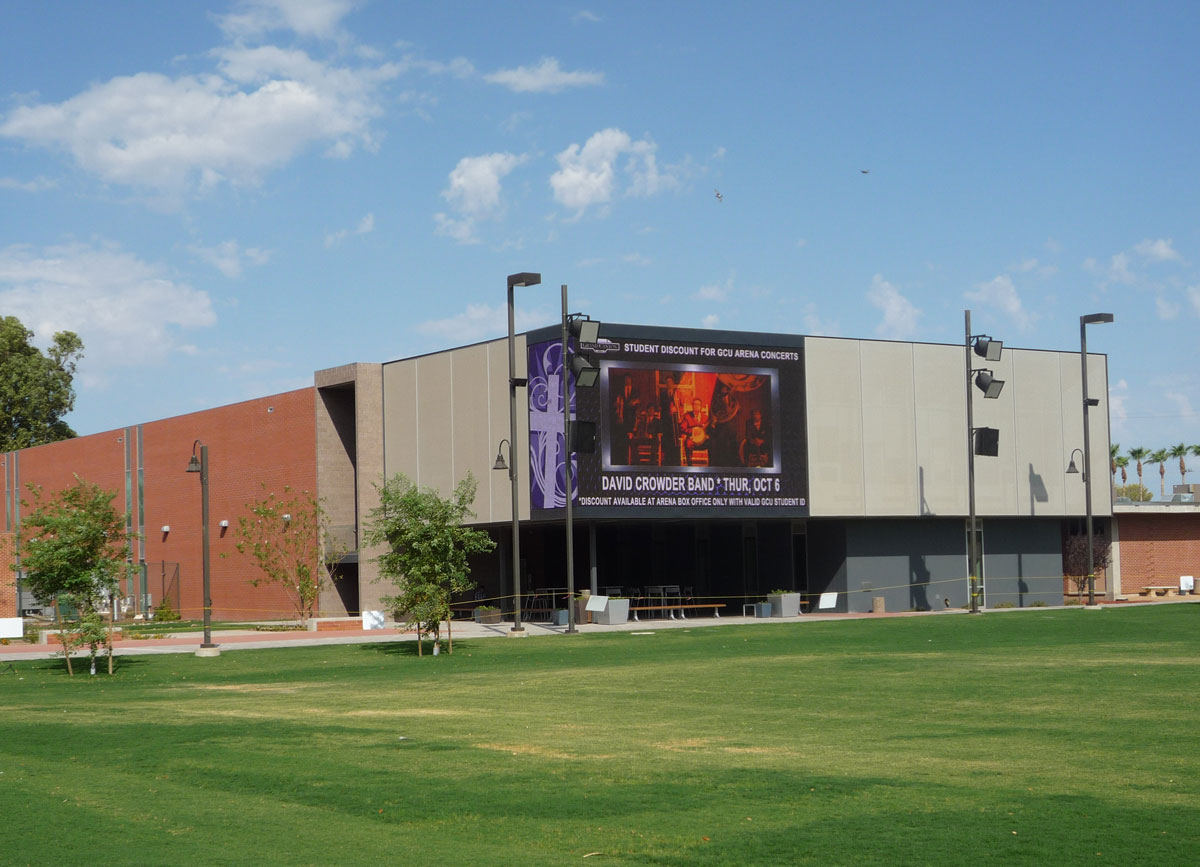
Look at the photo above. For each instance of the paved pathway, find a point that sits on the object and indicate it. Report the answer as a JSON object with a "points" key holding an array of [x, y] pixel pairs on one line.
{"points": [[248, 639]]}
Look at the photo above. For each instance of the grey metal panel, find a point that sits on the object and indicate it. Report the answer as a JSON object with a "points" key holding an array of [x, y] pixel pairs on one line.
{"points": [[889, 413], [1022, 562], [913, 564], [941, 413], [833, 388]]}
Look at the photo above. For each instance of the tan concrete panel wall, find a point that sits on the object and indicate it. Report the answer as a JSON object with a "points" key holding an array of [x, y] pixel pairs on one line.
{"points": [[1038, 435], [835, 435], [941, 411], [1071, 392], [435, 421], [473, 449], [995, 478], [400, 453], [889, 428]]}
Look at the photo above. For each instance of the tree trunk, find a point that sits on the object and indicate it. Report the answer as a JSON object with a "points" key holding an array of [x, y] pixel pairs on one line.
{"points": [[1162, 479], [62, 637], [449, 634]]}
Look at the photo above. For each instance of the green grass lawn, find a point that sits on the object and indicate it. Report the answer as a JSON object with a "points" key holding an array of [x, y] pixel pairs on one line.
{"points": [[1056, 737]]}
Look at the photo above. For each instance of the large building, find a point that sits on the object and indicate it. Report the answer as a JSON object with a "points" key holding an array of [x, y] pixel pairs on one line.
{"points": [[726, 464]]}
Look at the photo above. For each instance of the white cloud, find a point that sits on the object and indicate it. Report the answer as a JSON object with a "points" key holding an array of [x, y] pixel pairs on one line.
{"points": [[1183, 405], [227, 256], [815, 325], [127, 311], [547, 77], [1165, 309], [1001, 294], [636, 259], [36, 185], [711, 293], [585, 15], [483, 321], [712, 320], [474, 192], [1193, 294], [172, 136], [1161, 250], [1117, 270], [899, 314], [1118, 410], [314, 18], [365, 226], [587, 175]]}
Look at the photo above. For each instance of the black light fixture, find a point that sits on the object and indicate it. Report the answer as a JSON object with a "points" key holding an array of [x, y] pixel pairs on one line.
{"points": [[586, 374], [1071, 468], [988, 384], [500, 463], [988, 349]]}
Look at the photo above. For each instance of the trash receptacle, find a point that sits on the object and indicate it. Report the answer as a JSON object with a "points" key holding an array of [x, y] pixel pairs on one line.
{"points": [[762, 609], [877, 606]]}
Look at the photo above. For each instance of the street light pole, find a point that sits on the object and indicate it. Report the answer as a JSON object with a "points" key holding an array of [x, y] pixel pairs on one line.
{"points": [[566, 399], [1084, 322], [972, 554], [525, 278], [207, 648]]}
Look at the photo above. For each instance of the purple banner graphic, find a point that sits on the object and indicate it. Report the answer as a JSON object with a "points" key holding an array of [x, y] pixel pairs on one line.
{"points": [[547, 486]]}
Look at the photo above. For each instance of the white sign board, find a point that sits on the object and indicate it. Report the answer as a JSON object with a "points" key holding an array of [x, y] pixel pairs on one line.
{"points": [[1187, 583], [828, 600], [11, 627], [372, 620], [596, 603]]}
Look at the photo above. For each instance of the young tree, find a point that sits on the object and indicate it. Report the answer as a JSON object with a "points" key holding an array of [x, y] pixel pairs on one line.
{"points": [[1160, 456], [35, 388], [73, 549], [1075, 558], [287, 536], [428, 549]]}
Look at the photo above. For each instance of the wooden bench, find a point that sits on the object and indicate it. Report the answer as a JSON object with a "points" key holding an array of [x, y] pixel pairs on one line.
{"points": [[715, 606]]}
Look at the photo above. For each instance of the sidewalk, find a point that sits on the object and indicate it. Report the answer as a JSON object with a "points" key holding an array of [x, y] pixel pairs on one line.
{"points": [[248, 639]]}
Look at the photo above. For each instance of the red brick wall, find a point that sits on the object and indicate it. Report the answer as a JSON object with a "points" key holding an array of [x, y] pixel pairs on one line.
{"points": [[1157, 548], [269, 441], [8, 578]]}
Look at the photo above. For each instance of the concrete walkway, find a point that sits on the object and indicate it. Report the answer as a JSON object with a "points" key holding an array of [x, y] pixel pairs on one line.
{"points": [[248, 639]]}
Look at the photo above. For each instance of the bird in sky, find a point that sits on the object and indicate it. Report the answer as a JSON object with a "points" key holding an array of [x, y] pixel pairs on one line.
{"points": [[865, 171], [720, 198]]}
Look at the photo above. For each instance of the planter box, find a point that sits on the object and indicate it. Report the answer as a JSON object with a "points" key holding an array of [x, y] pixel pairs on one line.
{"points": [[784, 604], [615, 611], [487, 615]]}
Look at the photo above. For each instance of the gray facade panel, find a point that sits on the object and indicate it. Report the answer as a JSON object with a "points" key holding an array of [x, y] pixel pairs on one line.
{"points": [[1022, 563]]}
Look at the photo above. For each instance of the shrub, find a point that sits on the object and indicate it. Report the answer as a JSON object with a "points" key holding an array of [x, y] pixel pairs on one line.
{"points": [[165, 612]]}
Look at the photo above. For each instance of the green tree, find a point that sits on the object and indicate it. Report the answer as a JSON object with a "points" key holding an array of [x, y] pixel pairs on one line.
{"points": [[73, 547], [1139, 454], [1136, 491], [1114, 449], [428, 549], [35, 388], [1160, 456], [287, 536], [1180, 451]]}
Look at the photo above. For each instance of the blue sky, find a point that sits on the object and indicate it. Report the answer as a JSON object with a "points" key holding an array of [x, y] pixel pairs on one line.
{"points": [[222, 198]]}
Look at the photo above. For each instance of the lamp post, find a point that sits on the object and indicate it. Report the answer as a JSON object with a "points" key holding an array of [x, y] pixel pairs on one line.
{"points": [[525, 278], [1084, 322], [200, 465], [985, 381], [585, 376]]}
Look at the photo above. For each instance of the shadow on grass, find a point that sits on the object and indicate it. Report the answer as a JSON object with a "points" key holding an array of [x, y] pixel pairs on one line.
{"points": [[56, 665], [409, 648]]}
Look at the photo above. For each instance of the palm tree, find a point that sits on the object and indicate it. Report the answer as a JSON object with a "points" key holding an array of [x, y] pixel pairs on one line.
{"points": [[1114, 449], [1139, 454], [1180, 451], [1160, 457], [1122, 462]]}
